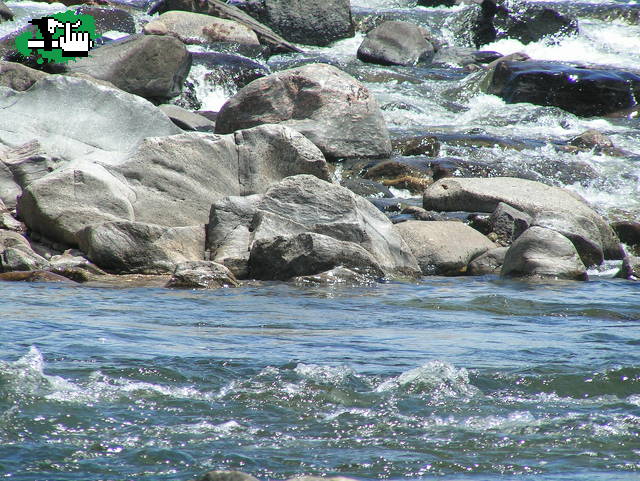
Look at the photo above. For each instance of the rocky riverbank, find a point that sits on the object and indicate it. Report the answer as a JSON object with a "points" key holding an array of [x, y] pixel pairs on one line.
{"points": [[108, 167]]}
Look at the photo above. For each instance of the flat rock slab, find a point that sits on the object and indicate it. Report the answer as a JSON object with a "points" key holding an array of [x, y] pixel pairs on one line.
{"points": [[443, 247], [533, 198]]}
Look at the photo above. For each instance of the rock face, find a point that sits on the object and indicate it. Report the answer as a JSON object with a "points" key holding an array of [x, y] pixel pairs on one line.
{"points": [[395, 43], [335, 111], [154, 67], [544, 253], [284, 257], [488, 263], [533, 198], [582, 91], [201, 275], [304, 21], [305, 204], [139, 248], [198, 28], [17, 76], [443, 247]]}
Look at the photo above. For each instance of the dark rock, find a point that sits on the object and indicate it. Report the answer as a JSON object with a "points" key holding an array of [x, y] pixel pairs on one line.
{"points": [[628, 232], [421, 145], [107, 19], [533, 198], [580, 90], [443, 248], [226, 476], [508, 223], [339, 276], [630, 268], [543, 253], [463, 56], [5, 12], [8, 222], [186, 120], [139, 248], [21, 259], [17, 76], [367, 188], [307, 22], [74, 267], [202, 275], [480, 222], [328, 106], [440, 3], [285, 257], [225, 69], [34, 276], [395, 43], [489, 263], [151, 66], [418, 213]]}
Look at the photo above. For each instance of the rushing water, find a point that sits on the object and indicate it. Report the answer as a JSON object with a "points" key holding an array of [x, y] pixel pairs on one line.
{"points": [[451, 378]]}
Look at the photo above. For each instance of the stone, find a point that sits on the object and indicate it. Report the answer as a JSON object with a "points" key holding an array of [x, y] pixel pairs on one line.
{"points": [[74, 267], [307, 22], [583, 91], [151, 66], [12, 239], [17, 76], [489, 263], [329, 107], [630, 268], [198, 28], [628, 232], [443, 248], [484, 195], [226, 476], [395, 43], [543, 253], [107, 19], [34, 276], [201, 275], [338, 276], [428, 145], [140, 248], [21, 259], [9, 189], [367, 188], [308, 253], [186, 120], [5, 12], [508, 223], [227, 71]]}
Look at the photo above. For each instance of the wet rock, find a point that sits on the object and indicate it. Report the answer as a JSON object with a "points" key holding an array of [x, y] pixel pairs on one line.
{"points": [[74, 267], [307, 22], [186, 120], [395, 43], [443, 248], [339, 276], [367, 188], [331, 108], [582, 91], [444, 3], [308, 253], [226, 476], [629, 233], [201, 275], [489, 263], [508, 223], [225, 69], [152, 66], [139, 248], [630, 268], [596, 142], [543, 253], [463, 56], [21, 259], [34, 276], [108, 19], [5, 12], [418, 213], [17, 76], [421, 145], [484, 195], [197, 28]]}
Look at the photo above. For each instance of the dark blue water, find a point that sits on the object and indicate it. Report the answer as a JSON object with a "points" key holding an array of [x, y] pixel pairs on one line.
{"points": [[477, 379]]}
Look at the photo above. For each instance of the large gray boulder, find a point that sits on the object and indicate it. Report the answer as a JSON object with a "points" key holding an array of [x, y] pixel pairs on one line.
{"points": [[308, 22], [533, 198], [285, 257], [443, 247], [543, 253], [304, 204], [140, 248], [395, 43], [329, 107], [154, 67]]}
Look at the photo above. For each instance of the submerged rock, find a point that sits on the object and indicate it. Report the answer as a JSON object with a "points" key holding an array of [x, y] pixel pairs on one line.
{"points": [[335, 111], [339, 276], [395, 43], [543, 253], [445, 247]]}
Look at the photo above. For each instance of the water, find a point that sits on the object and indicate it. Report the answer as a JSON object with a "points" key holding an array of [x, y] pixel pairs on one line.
{"points": [[449, 378]]}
